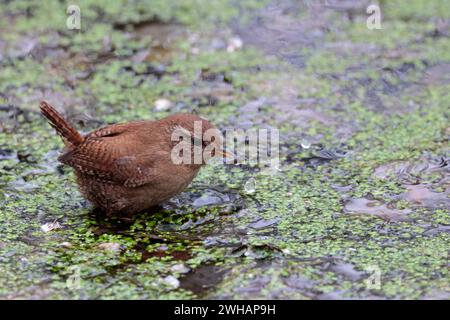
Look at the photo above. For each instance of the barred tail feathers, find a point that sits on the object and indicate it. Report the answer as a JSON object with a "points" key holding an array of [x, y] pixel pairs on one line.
{"points": [[62, 127]]}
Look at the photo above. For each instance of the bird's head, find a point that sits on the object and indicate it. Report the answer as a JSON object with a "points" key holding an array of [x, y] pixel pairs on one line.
{"points": [[195, 140]]}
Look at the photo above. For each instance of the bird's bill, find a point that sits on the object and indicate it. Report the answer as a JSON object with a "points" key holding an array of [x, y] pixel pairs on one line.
{"points": [[226, 154]]}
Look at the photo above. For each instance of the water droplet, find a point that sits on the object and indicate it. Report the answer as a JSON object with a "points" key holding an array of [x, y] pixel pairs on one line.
{"points": [[306, 144], [250, 185]]}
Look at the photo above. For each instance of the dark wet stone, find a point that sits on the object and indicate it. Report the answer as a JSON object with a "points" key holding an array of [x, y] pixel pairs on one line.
{"points": [[211, 198], [342, 188], [262, 224], [243, 213], [335, 295], [392, 168], [437, 74], [157, 71], [329, 154], [413, 172], [207, 200], [318, 157], [174, 227], [438, 229], [348, 271], [298, 282], [21, 185], [185, 226], [26, 157], [421, 195], [209, 76], [222, 241], [6, 154], [276, 33], [437, 295], [254, 286], [384, 211], [203, 278], [23, 47]]}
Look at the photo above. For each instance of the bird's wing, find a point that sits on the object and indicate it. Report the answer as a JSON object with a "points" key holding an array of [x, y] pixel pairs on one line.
{"points": [[137, 170], [109, 131], [103, 156]]}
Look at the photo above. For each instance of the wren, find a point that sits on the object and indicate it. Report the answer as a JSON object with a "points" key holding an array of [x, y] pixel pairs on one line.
{"points": [[128, 167]]}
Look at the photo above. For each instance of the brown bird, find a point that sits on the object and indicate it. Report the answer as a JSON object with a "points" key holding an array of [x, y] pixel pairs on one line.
{"points": [[129, 167]]}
